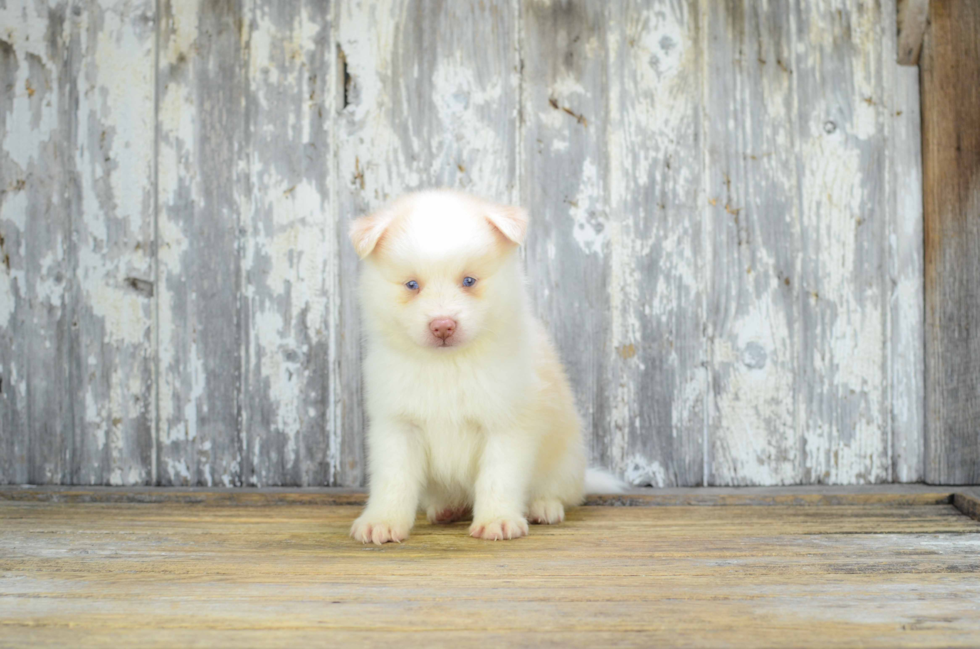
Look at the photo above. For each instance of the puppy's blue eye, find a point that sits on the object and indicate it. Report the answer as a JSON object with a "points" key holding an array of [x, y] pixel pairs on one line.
{"points": [[469, 281], [412, 285]]}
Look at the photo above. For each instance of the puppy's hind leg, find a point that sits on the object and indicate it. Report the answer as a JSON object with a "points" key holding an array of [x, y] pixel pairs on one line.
{"points": [[546, 511], [555, 485], [548, 495]]}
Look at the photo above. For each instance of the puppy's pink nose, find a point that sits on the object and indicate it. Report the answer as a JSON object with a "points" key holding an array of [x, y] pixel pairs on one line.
{"points": [[442, 327]]}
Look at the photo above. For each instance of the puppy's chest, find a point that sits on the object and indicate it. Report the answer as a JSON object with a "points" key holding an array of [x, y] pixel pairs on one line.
{"points": [[441, 398], [453, 450], [452, 430]]}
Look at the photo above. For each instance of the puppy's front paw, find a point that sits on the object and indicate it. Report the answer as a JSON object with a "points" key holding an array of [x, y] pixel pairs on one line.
{"points": [[546, 511], [368, 529], [499, 529]]}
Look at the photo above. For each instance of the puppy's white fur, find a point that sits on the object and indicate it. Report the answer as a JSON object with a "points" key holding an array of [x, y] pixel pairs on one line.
{"points": [[481, 421]]}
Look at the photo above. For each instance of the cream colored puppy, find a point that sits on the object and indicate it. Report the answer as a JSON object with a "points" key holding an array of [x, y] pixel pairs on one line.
{"points": [[468, 405]]}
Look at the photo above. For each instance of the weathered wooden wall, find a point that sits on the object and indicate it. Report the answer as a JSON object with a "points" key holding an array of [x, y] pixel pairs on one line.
{"points": [[951, 162], [726, 238]]}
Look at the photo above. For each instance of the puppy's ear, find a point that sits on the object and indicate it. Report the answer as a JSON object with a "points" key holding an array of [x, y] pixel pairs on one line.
{"points": [[366, 231], [510, 221]]}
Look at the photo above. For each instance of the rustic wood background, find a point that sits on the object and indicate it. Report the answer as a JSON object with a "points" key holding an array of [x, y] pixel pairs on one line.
{"points": [[726, 239], [950, 66]]}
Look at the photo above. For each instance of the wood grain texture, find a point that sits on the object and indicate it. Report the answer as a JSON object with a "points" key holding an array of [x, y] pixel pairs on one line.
{"points": [[77, 243], [564, 186], [42, 58], [359, 120], [905, 282], [913, 17], [202, 181], [652, 379], [13, 291], [811, 165], [798, 496], [78, 249], [754, 223], [290, 245], [950, 82], [968, 502], [112, 346], [430, 99], [842, 398], [91, 575]]}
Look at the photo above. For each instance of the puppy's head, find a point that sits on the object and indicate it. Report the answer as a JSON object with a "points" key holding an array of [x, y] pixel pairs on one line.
{"points": [[440, 269]]}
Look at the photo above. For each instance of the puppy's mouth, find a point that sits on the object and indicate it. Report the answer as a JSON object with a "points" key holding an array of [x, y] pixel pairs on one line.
{"points": [[443, 343]]}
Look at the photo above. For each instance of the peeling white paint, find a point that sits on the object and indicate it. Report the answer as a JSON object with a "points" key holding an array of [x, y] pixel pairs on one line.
{"points": [[637, 205], [34, 103], [850, 326], [178, 471], [171, 246], [590, 221], [656, 268], [367, 38], [29, 127], [198, 384], [49, 285], [755, 397], [642, 472], [906, 272], [288, 251], [112, 238], [460, 99], [8, 295]]}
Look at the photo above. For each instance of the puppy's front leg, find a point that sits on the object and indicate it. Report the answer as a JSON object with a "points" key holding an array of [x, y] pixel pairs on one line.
{"points": [[498, 510], [396, 467]]}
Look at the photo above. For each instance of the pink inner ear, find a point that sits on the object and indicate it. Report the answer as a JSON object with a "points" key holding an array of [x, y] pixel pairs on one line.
{"points": [[510, 221], [366, 231]]}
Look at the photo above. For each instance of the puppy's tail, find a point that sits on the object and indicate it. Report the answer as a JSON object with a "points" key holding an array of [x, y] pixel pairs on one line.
{"points": [[600, 481]]}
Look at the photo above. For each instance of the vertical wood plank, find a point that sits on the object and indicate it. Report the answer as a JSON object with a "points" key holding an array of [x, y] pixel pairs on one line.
{"points": [[360, 47], [755, 259], [290, 251], [843, 210], [202, 174], [652, 375], [912, 19], [367, 175], [112, 234], [950, 81], [904, 284], [429, 99], [564, 186], [40, 53], [16, 116]]}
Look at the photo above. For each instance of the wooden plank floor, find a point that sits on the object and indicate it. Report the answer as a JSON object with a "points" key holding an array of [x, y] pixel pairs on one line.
{"points": [[879, 572]]}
